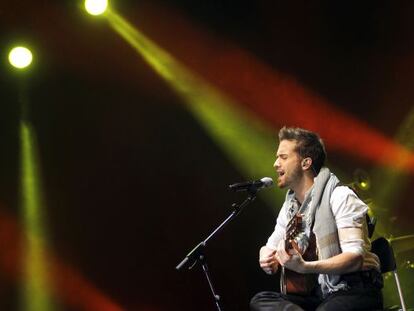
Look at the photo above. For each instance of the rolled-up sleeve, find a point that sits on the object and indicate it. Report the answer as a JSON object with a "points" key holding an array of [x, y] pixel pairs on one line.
{"points": [[350, 212]]}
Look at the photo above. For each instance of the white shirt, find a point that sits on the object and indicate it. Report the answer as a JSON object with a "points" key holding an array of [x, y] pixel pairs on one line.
{"points": [[349, 212]]}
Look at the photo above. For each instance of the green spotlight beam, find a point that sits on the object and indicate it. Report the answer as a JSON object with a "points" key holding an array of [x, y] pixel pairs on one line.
{"points": [[243, 139], [246, 141], [36, 294], [248, 144]]}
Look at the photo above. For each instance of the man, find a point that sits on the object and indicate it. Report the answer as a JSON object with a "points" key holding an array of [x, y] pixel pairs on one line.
{"points": [[348, 276]]}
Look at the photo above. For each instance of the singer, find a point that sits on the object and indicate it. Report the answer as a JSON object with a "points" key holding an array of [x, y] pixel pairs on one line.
{"points": [[320, 241]]}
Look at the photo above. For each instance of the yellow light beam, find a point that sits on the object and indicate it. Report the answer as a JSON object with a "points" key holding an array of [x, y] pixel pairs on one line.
{"points": [[36, 290], [244, 139]]}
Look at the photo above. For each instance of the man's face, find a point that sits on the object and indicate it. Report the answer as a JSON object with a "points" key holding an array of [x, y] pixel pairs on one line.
{"points": [[288, 164]]}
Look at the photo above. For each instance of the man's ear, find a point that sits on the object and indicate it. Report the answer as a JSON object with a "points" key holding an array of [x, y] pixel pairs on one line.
{"points": [[306, 163]]}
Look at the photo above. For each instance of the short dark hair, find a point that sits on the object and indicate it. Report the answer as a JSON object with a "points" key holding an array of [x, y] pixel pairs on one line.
{"points": [[309, 145]]}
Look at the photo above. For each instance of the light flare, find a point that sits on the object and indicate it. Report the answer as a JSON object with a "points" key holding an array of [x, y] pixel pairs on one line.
{"points": [[20, 57]]}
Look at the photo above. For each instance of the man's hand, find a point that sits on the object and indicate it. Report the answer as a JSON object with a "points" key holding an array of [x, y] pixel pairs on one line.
{"points": [[267, 260], [293, 259]]}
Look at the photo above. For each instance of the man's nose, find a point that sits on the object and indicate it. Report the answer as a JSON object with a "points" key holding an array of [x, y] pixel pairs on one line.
{"points": [[276, 164]]}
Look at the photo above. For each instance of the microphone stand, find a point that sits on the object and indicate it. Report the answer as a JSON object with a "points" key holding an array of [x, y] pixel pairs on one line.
{"points": [[197, 255]]}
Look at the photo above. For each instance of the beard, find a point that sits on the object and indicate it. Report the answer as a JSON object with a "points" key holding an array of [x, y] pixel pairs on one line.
{"points": [[291, 178]]}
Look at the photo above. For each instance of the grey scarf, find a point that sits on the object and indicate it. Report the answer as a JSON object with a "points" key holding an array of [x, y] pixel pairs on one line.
{"points": [[319, 219]]}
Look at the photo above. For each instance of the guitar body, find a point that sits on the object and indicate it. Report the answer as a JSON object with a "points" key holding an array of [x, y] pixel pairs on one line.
{"points": [[292, 282], [302, 284]]}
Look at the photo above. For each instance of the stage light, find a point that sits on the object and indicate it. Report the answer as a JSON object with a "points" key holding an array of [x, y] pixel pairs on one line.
{"points": [[96, 7], [20, 57], [362, 180]]}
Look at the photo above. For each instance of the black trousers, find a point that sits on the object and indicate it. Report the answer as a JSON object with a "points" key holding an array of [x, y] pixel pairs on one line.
{"points": [[349, 300], [364, 293]]}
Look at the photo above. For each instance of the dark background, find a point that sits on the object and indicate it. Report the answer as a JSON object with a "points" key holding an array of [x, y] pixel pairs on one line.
{"points": [[131, 181]]}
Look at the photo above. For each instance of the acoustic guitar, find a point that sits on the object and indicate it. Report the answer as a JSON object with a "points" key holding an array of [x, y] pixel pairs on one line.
{"points": [[292, 282]]}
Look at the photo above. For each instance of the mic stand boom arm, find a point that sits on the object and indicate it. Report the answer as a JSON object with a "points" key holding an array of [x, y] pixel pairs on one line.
{"points": [[197, 254]]}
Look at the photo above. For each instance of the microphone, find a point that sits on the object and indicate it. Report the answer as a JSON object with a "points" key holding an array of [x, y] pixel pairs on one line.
{"points": [[254, 185]]}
